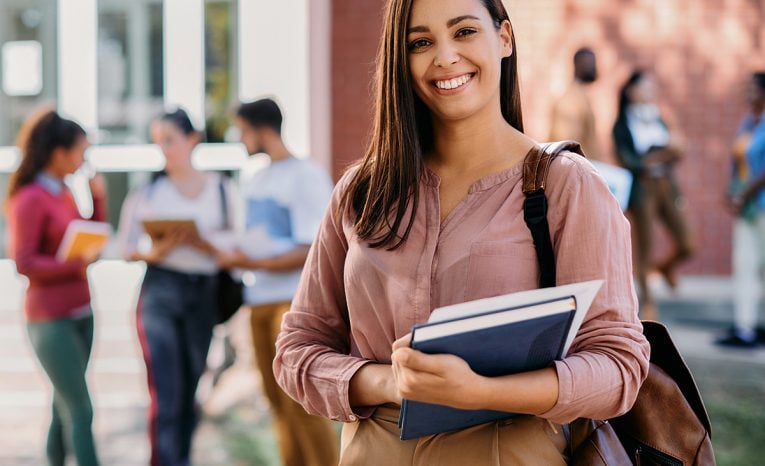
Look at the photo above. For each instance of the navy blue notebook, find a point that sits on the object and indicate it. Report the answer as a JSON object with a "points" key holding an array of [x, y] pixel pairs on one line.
{"points": [[499, 342]]}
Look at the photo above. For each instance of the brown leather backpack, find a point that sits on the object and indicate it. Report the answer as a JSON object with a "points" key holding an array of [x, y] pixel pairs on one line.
{"points": [[668, 424]]}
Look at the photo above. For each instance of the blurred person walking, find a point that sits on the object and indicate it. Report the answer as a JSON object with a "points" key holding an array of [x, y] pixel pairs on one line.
{"points": [[285, 202], [57, 308], [177, 305], [747, 201], [645, 146], [572, 115]]}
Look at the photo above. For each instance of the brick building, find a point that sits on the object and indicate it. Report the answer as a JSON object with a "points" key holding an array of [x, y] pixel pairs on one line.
{"points": [[700, 50]]}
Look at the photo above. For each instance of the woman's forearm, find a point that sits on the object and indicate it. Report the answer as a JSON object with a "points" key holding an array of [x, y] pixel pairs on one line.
{"points": [[533, 392], [372, 385]]}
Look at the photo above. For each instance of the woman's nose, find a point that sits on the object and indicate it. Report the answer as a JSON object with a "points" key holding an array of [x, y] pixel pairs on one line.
{"points": [[446, 55]]}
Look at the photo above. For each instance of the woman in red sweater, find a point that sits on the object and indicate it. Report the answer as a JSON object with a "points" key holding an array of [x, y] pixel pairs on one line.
{"points": [[57, 309]]}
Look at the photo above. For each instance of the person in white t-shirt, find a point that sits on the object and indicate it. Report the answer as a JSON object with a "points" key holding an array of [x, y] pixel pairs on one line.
{"points": [[178, 302], [285, 199]]}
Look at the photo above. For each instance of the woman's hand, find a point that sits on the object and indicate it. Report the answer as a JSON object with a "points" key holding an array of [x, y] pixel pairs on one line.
{"points": [[161, 247], [231, 259], [98, 187], [198, 243], [434, 378]]}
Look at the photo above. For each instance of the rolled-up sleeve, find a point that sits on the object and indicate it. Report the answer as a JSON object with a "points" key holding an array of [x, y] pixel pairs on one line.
{"points": [[313, 362], [608, 360]]}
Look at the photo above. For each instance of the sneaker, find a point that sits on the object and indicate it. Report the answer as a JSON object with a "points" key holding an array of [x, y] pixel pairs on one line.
{"points": [[734, 340]]}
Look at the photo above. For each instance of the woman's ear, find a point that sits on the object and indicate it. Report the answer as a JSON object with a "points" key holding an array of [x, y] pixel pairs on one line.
{"points": [[506, 38]]}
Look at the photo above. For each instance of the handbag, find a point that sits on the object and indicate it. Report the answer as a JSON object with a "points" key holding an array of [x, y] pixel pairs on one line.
{"points": [[668, 424], [229, 296]]}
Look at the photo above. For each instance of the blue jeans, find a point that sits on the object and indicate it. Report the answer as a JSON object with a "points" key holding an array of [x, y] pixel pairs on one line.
{"points": [[175, 322]]}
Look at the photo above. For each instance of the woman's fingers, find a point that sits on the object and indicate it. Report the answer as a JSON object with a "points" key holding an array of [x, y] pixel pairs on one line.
{"points": [[418, 361], [403, 342]]}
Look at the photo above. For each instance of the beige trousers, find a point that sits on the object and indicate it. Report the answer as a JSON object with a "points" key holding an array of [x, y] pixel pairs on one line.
{"points": [[524, 440], [304, 440]]}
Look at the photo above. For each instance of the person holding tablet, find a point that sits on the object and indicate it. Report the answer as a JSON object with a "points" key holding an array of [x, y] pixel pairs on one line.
{"points": [[177, 305]]}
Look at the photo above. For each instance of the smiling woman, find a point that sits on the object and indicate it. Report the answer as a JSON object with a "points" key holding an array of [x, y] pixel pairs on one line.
{"points": [[441, 176]]}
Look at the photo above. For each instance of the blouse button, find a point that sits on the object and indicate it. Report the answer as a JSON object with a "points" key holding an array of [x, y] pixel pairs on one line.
{"points": [[352, 417]]}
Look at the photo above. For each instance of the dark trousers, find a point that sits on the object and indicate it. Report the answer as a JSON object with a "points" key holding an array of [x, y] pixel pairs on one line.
{"points": [[63, 348], [175, 323]]}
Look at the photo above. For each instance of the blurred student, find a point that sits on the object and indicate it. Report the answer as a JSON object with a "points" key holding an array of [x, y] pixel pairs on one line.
{"points": [[285, 201], [57, 307], [572, 115], [747, 200], [645, 146], [177, 306]]}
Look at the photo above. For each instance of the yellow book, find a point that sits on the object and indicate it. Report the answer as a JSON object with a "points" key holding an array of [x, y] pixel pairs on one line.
{"points": [[83, 238]]}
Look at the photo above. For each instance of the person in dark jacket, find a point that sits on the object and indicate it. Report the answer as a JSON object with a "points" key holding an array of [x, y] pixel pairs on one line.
{"points": [[645, 146]]}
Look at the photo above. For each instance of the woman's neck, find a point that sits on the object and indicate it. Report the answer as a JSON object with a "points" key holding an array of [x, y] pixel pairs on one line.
{"points": [[183, 172], [53, 174], [476, 144]]}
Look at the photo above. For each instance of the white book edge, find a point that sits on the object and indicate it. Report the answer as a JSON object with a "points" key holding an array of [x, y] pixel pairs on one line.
{"points": [[583, 292], [77, 226], [492, 319]]}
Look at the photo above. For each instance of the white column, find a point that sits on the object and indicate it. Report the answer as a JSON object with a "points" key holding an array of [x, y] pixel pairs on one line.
{"points": [[320, 30], [273, 61], [77, 69], [139, 63], [10, 156], [184, 57]]}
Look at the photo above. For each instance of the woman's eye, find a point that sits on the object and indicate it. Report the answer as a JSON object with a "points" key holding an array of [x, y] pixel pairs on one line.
{"points": [[418, 44], [466, 32]]}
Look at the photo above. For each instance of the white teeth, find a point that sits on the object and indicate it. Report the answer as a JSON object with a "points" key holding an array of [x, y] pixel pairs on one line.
{"points": [[453, 83]]}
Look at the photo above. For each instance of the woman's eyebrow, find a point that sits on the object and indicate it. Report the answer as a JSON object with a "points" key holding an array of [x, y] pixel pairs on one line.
{"points": [[459, 19], [449, 23]]}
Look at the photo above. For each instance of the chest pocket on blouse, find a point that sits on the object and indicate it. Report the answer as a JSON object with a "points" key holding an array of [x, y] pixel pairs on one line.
{"points": [[500, 267]]}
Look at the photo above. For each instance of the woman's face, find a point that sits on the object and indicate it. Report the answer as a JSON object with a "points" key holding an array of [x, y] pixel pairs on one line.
{"points": [[455, 56], [176, 146], [66, 161], [644, 91]]}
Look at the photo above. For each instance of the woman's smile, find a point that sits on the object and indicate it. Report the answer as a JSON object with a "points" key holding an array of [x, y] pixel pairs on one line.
{"points": [[453, 84]]}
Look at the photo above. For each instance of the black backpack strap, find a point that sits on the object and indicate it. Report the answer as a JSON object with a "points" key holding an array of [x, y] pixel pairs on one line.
{"points": [[536, 166]]}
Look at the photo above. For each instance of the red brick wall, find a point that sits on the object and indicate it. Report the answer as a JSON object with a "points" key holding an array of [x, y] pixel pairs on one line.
{"points": [[700, 50], [356, 28]]}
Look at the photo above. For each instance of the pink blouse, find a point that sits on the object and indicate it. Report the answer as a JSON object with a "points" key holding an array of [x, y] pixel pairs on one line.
{"points": [[355, 301]]}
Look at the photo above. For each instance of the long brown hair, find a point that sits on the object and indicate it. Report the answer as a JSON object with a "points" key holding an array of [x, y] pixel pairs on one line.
{"points": [[40, 135], [385, 183]]}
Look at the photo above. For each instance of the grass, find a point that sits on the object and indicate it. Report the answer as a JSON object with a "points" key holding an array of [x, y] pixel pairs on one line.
{"points": [[734, 395]]}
